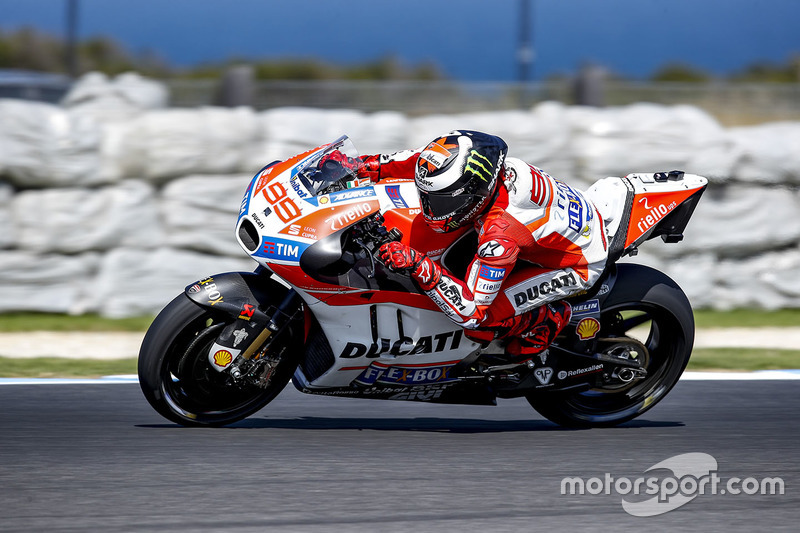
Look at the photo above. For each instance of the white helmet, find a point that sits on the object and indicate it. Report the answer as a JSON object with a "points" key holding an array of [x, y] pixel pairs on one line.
{"points": [[456, 176]]}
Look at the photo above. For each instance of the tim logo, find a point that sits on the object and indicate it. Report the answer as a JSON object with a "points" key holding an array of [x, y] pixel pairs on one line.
{"points": [[393, 192], [280, 249], [277, 248], [490, 273]]}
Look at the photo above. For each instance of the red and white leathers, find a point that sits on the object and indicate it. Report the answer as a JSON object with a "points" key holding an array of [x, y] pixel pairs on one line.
{"points": [[554, 229]]}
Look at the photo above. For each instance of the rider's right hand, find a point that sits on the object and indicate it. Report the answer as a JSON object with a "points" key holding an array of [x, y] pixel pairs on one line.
{"points": [[400, 257]]}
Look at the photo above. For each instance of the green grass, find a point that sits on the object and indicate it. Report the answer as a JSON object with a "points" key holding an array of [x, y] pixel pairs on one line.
{"points": [[15, 322], [743, 359], [747, 318], [57, 367]]}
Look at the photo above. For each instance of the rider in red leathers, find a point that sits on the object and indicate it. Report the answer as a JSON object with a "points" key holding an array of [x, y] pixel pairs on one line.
{"points": [[539, 240]]}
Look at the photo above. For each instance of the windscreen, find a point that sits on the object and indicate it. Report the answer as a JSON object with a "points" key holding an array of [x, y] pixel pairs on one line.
{"points": [[322, 170]]}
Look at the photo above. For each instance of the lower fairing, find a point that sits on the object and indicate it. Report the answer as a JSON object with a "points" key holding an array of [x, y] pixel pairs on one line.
{"points": [[453, 392]]}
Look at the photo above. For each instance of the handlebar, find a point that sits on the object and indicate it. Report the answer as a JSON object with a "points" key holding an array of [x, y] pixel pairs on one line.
{"points": [[370, 234]]}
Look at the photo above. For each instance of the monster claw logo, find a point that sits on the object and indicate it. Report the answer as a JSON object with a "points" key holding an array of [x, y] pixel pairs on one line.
{"points": [[477, 164]]}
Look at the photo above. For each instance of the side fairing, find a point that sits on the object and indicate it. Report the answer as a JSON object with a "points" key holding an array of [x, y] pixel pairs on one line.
{"points": [[367, 337]]}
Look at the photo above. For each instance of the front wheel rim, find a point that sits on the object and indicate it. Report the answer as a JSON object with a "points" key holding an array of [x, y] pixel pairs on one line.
{"points": [[197, 392]]}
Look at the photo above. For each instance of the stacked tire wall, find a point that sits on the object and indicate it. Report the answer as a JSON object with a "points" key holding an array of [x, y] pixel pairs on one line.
{"points": [[112, 202]]}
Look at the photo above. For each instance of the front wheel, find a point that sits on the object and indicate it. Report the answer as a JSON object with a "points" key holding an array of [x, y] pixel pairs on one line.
{"points": [[178, 381], [646, 310]]}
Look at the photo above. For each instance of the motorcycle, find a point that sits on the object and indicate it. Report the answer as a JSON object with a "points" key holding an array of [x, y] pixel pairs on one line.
{"points": [[320, 310]]}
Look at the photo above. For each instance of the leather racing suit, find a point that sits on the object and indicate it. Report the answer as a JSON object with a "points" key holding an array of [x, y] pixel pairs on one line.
{"points": [[539, 241]]}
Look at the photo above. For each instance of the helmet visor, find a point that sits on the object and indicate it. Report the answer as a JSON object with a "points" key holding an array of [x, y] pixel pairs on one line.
{"points": [[437, 205]]}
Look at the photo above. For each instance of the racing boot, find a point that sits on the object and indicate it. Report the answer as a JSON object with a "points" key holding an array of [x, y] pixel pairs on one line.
{"points": [[530, 333], [545, 325]]}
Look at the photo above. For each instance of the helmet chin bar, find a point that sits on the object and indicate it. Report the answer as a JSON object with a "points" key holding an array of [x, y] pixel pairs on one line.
{"points": [[446, 225], [439, 226]]}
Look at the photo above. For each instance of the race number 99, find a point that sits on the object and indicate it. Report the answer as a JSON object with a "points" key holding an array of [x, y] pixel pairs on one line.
{"points": [[282, 205]]}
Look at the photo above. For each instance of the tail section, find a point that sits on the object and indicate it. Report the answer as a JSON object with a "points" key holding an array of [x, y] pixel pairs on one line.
{"points": [[640, 207]]}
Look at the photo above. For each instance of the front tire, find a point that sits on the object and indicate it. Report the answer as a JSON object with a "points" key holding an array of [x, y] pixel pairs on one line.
{"points": [[642, 298], [181, 385]]}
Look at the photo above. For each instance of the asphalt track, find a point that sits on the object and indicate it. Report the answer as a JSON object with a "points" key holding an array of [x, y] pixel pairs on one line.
{"points": [[97, 458]]}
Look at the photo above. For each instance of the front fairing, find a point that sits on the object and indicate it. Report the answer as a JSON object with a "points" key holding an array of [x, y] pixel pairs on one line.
{"points": [[291, 205], [271, 226]]}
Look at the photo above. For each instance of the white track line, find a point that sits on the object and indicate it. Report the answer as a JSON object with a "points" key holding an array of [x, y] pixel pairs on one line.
{"points": [[761, 375], [127, 378]]}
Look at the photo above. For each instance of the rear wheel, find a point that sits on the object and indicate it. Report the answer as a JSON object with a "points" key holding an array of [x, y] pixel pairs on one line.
{"points": [[646, 314], [178, 381]]}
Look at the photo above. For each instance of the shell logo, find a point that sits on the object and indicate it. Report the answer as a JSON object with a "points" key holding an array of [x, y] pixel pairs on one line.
{"points": [[223, 358], [587, 328]]}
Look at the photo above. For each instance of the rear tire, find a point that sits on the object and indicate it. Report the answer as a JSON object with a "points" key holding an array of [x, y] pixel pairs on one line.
{"points": [[178, 381], [641, 296]]}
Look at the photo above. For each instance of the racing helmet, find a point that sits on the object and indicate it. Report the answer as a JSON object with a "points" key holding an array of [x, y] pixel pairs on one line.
{"points": [[456, 176]]}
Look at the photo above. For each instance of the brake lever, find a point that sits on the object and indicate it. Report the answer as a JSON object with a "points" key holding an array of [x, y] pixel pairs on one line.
{"points": [[369, 254], [387, 236]]}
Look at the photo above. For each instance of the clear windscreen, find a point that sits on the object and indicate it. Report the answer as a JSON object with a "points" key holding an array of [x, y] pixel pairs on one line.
{"points": [[325, 171]]}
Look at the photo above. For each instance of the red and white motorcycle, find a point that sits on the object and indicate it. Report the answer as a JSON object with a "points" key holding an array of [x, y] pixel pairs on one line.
{"points": [[321, 311]]}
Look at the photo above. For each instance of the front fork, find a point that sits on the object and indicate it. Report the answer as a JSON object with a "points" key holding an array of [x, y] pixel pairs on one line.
{"points": [[250, 334]]}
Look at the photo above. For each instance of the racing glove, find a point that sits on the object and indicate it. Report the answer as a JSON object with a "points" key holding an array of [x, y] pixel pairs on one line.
{"points": [[371, 168], [402, 258], [337, 158], [364, 167]]}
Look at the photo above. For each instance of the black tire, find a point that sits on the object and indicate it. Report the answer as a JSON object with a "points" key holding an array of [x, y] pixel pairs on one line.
{"points": [[641, 296], [181, 385]]}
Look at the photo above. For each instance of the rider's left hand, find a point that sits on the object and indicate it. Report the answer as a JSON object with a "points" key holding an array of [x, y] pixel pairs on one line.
{"points": [[400, 257]]}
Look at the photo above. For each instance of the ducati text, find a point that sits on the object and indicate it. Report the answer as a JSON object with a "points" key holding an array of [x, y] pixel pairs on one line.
{"points": [[450, 340]]}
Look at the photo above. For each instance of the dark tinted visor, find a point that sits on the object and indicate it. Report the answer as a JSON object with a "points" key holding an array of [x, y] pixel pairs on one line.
{"points": [[444, 205]]}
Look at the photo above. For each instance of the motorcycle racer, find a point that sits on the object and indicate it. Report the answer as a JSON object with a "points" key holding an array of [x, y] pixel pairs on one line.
{"points": [[539, 240], [322, 311]]}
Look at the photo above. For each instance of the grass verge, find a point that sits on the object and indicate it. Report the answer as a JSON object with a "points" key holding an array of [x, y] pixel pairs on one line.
{"points": [[726, 359], [743, 359], [57, 367], [747, 318], [16, 322]]}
